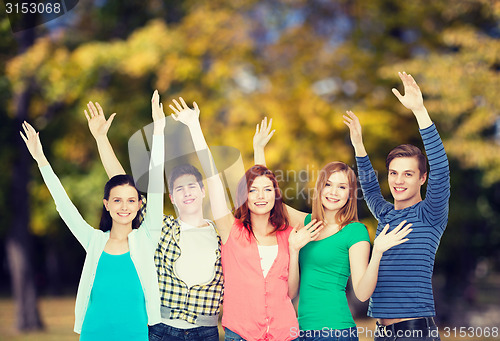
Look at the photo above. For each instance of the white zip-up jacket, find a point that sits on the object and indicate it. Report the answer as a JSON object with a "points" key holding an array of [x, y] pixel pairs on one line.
{"points": [[141, 242]]}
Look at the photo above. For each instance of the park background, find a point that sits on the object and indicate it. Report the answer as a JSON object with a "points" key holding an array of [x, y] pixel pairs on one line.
{"points": [[301, 62]]}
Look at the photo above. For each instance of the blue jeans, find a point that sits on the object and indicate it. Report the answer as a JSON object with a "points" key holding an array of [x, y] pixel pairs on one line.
{"points": [[163, 332], [431, 335], [232, 336], [348, 334], [421, 329]]}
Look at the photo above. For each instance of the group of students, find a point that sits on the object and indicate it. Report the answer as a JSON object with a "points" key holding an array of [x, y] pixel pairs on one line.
{"points": [[144, 268]]}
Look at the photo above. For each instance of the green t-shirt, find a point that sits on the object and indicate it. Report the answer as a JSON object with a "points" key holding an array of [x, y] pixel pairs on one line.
{"points": [[324, 270]]}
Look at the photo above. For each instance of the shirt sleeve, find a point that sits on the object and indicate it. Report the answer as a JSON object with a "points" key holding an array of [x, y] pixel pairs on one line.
{"points": [[371, 188], [153, 218], [357, 233], [68, 212], [436, 202]]}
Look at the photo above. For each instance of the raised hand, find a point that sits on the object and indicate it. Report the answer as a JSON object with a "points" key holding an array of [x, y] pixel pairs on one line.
{"points": [[412, 98], [385, 241], [98, 124], [300, 237], [185, 114], [352, 121], [32, 140], [157, 113], [355, 132], [263, 134]]}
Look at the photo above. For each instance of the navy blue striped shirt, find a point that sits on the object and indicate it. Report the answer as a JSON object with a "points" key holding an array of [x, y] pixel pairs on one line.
{"points": [[404, 286]]}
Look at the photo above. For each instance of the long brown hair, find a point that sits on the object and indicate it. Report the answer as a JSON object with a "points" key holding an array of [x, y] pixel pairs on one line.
{"points": [[118, 180], [347, 213], [278, 216]]}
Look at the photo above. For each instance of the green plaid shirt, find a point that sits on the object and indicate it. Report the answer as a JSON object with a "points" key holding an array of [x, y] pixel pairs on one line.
{"points": [[184, 303]]}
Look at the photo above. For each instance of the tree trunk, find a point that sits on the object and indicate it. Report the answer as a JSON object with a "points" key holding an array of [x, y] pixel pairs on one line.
{"points": [[19, 242]]}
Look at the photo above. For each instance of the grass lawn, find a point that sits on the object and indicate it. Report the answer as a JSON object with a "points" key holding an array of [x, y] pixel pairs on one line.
{"points": [[58, 316]]}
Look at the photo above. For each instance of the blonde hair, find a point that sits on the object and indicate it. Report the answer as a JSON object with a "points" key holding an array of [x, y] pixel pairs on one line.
{"points": [[347, 213]]}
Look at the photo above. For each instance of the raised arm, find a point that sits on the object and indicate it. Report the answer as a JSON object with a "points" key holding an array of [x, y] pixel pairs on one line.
{"points": [[68, 212], [262, 136], [99, 127], [438, 186], [223, 217], [355, 132], [154, 214], [364, 275], [366, 175]]}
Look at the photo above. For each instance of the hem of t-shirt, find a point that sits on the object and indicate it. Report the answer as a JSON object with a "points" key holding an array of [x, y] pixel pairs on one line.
{"points": [[201, 319], [403, 316], [326, 327]]}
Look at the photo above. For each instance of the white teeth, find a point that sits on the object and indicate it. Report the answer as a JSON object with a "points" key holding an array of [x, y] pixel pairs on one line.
{"points": [[189, 201]]}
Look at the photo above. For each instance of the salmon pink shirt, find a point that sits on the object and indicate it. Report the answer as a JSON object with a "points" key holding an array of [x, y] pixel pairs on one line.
{"points": [[256, 307]]}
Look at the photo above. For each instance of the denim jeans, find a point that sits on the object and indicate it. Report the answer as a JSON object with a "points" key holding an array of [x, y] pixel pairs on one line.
{"points": [[163, 332], [232, 336], [348, 334], [430, 333]]}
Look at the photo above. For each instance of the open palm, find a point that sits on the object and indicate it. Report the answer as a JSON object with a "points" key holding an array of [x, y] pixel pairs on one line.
{"points": [[184, 114], [32, 140], [385, 241], [412, 98], [98, 124]]}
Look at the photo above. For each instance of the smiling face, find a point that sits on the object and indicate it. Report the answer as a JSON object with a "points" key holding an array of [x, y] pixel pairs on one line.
{"points": [[335, 194], [187, 195], [405, 181], [123, 204], [261, 195]]}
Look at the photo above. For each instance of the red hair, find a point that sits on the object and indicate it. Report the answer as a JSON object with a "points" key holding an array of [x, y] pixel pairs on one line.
{"points": [[278, 216]]}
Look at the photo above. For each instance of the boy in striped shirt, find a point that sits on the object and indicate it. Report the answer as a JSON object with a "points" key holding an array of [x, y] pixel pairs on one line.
{"points": [[403, 301]]}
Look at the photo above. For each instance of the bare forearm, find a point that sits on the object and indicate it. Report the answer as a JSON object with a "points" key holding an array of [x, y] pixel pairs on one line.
{"points": [[366, 285], [204, 154], [359, 149], [293, 275], [216, 189], [259, 156], [42, 161], [423, 118], [108, 157]]}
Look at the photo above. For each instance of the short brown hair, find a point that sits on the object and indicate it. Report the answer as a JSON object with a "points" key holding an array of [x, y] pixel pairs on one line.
{"points": [[408, 150], [181, 170], [347, 213]]}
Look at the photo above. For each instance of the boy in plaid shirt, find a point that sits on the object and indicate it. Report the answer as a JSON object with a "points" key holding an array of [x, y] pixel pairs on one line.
{"points": [[188, 254]]}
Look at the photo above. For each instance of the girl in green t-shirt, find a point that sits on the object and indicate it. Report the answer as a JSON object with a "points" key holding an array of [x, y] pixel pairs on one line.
{"points": [[341, 248]]}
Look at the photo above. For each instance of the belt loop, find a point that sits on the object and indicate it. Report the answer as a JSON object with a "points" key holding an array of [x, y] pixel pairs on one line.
{"points": [[381, 329]]}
